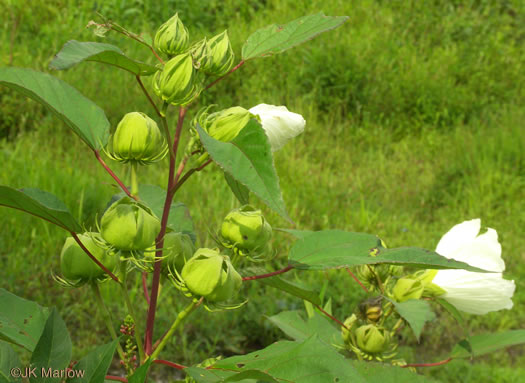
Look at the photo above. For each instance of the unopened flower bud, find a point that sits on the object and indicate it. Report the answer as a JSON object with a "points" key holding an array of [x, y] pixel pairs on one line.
{"points": [[224, 125], [371, 338], [137, 138], [408, 288], [76, 264], [129, 225], [246, 229], [346, 330], [211, 275], [178, 248], [172, 37], [177, 83], [221, 56], [200, 52]]}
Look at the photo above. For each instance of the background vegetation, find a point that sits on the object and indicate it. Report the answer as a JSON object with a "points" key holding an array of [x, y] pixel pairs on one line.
{"points": [[414, 115]]}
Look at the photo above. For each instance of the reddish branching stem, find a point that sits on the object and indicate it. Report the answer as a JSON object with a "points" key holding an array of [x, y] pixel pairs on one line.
{"points": [[357, 280], [332, 317], [227, 74], [427, 364], [120, 183], [148, 96], [106, 270], [160, 238], [282, 271], [116, 378], [145, 286], [171, 364], [187, 175]]}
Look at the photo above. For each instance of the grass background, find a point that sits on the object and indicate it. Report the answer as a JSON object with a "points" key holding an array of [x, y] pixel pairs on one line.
{"points": [[414, 115]]}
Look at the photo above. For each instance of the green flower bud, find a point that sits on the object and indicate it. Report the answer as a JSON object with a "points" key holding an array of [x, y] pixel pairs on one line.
{"points": [[246, 229], [346, 332], [408, 288], [211, 275], [200, 52], [137, 138], [177, 83], [372, 339], [172, 37], [224, 125], [431, 289], [220, 55], [76, 264], [129, 225], [178, 248]]}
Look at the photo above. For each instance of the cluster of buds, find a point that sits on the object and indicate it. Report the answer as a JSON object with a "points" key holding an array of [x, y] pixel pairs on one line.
{"points": [[246, 231], [178, 82], [127, 329]]}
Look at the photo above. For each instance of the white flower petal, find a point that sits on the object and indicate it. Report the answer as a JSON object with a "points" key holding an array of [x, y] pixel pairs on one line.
{"points": [[475, 293], [463, 244], [457, 236], [279, 124]]}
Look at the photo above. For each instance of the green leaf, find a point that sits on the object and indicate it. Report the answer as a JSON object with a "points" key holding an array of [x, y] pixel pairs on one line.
{"points": [[140, 374], [486, 343], [299, 329], [23, 323], [53, 350], [82, 115], [41, 204], [291, 288], [384, 373], [276, 38], [311, 361], [179, 219], [74, 52], [248, 159], [8, 360], [416, 313], [93, 367], [296, 233], [335, 248], [239, 190], [202, 375]]}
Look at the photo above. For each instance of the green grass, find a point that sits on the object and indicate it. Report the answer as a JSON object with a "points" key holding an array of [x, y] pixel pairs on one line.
{"points": [[414, 117]]}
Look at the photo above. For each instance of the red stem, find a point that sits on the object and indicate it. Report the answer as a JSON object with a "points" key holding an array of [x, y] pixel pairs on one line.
{"points": [[160, 238], [122, 186], [148, 96], [227, 74], [93, 258], [180, 169], [187, 175], [117, 378], [427, 364], [251, 278], [171, 364], [357, 280], [332, 317], [145, 286]]}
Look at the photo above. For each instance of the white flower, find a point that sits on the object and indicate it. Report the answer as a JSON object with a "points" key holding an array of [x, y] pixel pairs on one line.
{"points": [[279, 124], [475, 293]]}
